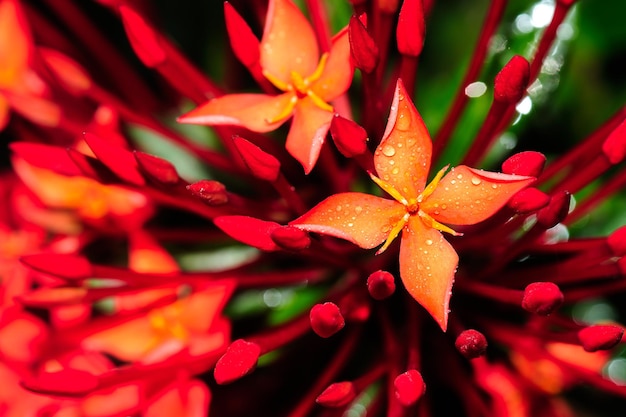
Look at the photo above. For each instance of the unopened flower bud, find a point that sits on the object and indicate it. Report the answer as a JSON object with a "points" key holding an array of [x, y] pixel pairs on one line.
{"points": [[249, 230], [143, 38], [239, 360], [291, 238], [363, 49], [555, 212], [614, 147], [411, 28], [326, 319], [471, 343], [211, 192], [617, 241], [380, 285], [261, 164], [542, 298], [600, 337], [66, 266], [529, 200], [527, 163], [349, 137], [337, 394], [157, 168], [244, 43], [70, 382], [511, 82], [409, 387]]}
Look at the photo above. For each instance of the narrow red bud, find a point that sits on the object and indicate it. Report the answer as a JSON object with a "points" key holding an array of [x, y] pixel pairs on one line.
{"points": [[157, 168], [527, 163], [45, 156], [600, 337], [381, 285], [117, 159], [244, 43], [617, 241], [326, 319], [240, 359], [68, 382], [142, 37], [66, 70], [471, 343], [249, 230], [529, 200], [211, 192], [291, 238], [614, 147], [337, 394], [262, 165], [411, 28], [409, 387], [363, 49], [349, 137], [60, 265], [556, 211], [542, 298], [511, 82]]}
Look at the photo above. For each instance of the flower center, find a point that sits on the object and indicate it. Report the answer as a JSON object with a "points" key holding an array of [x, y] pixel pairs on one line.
{"points": [[301, 87]]}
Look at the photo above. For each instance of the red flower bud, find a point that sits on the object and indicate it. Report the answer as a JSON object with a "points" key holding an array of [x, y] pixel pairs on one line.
{"points": [[117, 159], [249, 230], [291, 238], [600, 337], [240, 359], [528, 163], [143, 39], [471, 343], [363, 49], [542, 298], [617, 241], [157, 168], [244, 43], [326, 319], [350, 138], [66, 70], [555, 212], [411, 28], [380, 285], [337, 394], [529, 200], [409, 387], [212, 192], [70, 267], [68, 382], [511, 82], [261, 164], [49, 157], [614, 147]]}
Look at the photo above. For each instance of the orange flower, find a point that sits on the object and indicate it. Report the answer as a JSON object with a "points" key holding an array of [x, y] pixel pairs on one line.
{"points": [[402, 160], [290, 60]]}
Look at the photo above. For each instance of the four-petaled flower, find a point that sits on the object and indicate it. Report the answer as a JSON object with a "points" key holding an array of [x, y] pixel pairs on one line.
{"points": [[402, 160], [290, 60]]}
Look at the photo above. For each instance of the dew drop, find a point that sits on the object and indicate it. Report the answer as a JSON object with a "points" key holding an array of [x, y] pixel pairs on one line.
{"points": [[358, 209], [429, 242], [453, 182], [494, 186], [459, 176], [403, 123], [395, 171], [476, 181], [338, 208], [389, 150], [443, 207], [350, 224]]}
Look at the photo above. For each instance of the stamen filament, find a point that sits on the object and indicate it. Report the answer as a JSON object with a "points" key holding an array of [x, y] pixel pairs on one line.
{"points": [[319, 102], [433, 185], [287, 111], [389, 189], [430, 222], [394, 233], [276, 82]]}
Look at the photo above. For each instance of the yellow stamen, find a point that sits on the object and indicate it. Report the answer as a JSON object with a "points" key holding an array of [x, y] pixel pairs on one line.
{"points": [[430, 222], [287, 111], [319, 70], [433, 184], [319, 102], [281, 85], [394, 233], [389, 189]]}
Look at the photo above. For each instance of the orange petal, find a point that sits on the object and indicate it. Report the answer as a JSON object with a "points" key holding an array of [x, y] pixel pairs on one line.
{"points": [[362, 219], [128, 341], [337, 74], [308, 132], [4, 113], [427, 266], [402, 158], [252, 111], [289, 43], [15, 47], [468, 196], [146, 255]]}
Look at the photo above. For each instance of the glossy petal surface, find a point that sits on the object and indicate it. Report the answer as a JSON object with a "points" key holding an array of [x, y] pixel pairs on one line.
{"points": [[252, 111], [468, 196], [14, 44], [403, 157], [338, 71], [308, 132], [288, 42], [427, 266], [362, 219]]}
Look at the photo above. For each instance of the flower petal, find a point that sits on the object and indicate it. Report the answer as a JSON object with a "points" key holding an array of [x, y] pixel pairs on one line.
{"points": [[362, 219], [337, 74], [289, 43], [308, 132], [15, 46], [468, 196], [402, 158], [252, 111], [427, 266]]}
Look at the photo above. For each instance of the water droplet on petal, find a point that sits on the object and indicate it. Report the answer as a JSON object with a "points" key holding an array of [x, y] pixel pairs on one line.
{"points": [[403, 123], [358, 209], [429, 242], [389, 150], [476, 181], [395, 171]]}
